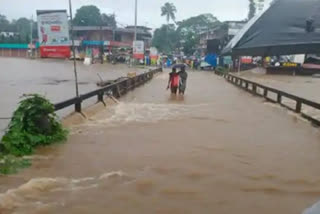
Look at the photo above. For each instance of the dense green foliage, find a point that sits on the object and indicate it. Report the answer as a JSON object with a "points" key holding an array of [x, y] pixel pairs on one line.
{"points": [[10, 164], [90, 15], [87, 16], [168, 10], [222, 69], [189, 29], [108, 20], [34, 123], [252, 9], [185, 36], [165, 38], [21, 27]]}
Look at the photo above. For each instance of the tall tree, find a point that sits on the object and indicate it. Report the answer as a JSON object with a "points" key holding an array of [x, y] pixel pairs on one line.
{"points": [[88, 15], [188, 30], [23, 26], [168, 10], [252, 9], [109, 20], [165, 38], [4, 23]]}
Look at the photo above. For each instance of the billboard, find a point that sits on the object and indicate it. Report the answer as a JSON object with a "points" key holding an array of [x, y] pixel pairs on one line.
{"points": [[138, 49], [53, 33], [153, 53]]}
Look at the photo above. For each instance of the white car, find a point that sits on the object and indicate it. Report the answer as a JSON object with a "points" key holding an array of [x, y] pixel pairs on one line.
{"points": [[204, 65]]}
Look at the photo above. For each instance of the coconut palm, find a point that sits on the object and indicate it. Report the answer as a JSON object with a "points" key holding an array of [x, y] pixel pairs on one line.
{"points": [[169, 10]]}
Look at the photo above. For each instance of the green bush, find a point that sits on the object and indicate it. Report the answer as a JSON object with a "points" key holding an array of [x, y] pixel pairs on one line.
{"points": [[221, 69], [34, 123], [10, 164]]}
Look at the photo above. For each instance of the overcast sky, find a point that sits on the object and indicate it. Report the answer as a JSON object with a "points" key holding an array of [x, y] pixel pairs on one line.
{"points": [[148, 10]]}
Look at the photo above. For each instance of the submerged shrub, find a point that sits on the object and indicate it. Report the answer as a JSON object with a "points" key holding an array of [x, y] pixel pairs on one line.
{"points": [[34, 123]]}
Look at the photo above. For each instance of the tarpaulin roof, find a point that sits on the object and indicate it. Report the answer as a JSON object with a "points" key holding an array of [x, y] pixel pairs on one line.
{"points": [[287, 27]]}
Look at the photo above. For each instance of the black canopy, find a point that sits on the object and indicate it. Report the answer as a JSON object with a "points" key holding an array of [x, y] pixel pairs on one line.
{"points": [[287, 27]]}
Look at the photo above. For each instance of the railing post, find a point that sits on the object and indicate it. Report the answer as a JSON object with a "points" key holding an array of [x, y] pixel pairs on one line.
{"points": [[134, 82], [265, 92], [298, 106], [279, 98], [129, 83], [77, 106], [254, 88], [118, 90], [100, 97], [124, 85]]}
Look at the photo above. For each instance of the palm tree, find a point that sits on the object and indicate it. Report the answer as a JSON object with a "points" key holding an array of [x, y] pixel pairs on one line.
{"points": [[169, 10]]}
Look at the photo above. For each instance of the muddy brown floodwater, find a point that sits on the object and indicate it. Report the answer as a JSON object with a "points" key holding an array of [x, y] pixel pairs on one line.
{"points": [[49, 77], [217, 150], [304, 86]]}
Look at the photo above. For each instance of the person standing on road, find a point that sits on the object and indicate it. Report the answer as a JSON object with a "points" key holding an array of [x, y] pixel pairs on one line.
{"points": [[173, 82], [183, 80]]}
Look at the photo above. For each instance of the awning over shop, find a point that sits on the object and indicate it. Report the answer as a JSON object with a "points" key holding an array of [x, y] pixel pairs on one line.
{"points": [[287, 27]]}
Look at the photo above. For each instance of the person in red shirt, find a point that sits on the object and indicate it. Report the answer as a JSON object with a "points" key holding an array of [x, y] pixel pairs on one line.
{"points": [[173, 82]]}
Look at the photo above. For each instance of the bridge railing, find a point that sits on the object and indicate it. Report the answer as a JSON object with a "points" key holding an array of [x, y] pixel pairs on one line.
{"points": [[116, 89], [254, 87]]}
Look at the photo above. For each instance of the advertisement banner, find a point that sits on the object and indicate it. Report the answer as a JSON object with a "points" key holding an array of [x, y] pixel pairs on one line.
{"points": [[138, 49], [55, 51], [153, 53], [53, 32]]}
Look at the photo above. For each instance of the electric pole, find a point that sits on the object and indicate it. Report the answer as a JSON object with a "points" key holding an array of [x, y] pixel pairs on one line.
{"points": [[135, 20], [101, 43], [31, 42], [73, 51]]}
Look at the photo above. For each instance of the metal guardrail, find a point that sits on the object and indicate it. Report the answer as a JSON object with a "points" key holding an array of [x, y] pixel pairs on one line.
{"points": [[253, 87], [116, 89]]}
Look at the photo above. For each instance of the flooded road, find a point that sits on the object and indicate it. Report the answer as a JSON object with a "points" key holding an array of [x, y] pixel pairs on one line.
{"points": [[217, 150], [303, 86], [49, 77]]}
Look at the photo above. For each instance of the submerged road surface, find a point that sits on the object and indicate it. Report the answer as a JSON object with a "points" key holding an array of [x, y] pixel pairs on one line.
{"points": [[217, 150], [53, 78]]}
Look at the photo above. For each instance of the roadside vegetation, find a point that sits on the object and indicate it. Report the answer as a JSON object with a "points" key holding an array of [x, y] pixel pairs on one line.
{"points": [[33, 124]]}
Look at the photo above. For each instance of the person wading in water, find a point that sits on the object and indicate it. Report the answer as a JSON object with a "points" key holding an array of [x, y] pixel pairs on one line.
{"points": [[173, 82], [183, 80]]}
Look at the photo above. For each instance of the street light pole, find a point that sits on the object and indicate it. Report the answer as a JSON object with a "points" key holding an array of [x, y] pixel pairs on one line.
{"points": [[101, 43], [73, 51], [31, 43], [135, 20]]}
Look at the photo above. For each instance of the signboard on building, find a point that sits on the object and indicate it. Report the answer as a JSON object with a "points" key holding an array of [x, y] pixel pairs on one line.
{"points": [[153, 55], [153, 51], [53, 33], [138, 49]]}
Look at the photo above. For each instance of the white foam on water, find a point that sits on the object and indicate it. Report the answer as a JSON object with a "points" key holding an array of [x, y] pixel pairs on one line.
{"points": [[112, 174], [35, 192], [30, 190], [76, 181], [37, 157], [125, 113]]}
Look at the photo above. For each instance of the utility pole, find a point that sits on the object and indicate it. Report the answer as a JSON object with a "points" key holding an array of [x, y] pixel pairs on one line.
{"points": [[73, 51], [101, 41], [135, 20], [31, 42], [113, 30]]}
